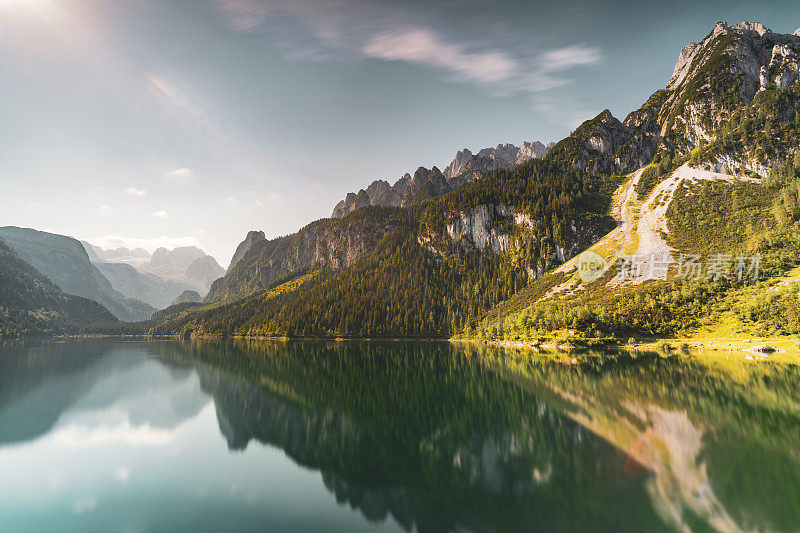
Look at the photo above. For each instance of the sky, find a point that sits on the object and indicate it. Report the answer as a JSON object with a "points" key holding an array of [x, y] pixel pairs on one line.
{"points": [[190, 122]]}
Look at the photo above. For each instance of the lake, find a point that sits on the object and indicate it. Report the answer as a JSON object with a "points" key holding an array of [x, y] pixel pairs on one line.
{"points": [[101, 435]]}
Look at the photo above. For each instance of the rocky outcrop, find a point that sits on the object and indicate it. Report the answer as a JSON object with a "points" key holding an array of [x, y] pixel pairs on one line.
{"points": [[425, 184], [483, 226], [604, 145], [711, 80], [331, 243], [748, 55], [465, 167], [248, 242], [501, 156], [503, 229]]}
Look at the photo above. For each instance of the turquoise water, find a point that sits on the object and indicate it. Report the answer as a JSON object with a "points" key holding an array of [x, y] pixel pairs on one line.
{"points": [[313, 436]]}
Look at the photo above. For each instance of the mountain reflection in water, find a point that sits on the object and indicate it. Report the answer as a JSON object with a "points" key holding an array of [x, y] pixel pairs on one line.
{"points": [[103, 435]]}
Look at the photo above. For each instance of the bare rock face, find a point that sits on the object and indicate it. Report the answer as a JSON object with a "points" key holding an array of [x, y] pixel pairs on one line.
{"points": [[683, 63], [464, 168], [424, 185], [604, 145], [336, 245], [248, 242]]}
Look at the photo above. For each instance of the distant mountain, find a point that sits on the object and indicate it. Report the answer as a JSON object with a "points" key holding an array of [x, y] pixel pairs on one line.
{"points": [[143, 286], [32, 304], [186, 264], [425, 184], [65, 262], [187, 297], [122, 254]]}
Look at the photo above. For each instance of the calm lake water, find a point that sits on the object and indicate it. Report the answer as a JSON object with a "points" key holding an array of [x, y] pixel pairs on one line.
{"points": [[363, 436]]}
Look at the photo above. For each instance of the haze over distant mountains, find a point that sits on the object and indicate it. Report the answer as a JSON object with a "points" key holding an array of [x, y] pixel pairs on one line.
{"points": [[158, 278]]}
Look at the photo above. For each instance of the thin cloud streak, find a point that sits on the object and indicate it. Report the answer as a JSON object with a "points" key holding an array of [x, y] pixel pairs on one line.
{"points": [[424, 47], [346, 28]]}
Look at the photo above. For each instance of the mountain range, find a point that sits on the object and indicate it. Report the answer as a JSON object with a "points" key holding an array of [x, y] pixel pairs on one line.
{"points": [[68, 273], [158, 278], [426, 184], [707, 167]]}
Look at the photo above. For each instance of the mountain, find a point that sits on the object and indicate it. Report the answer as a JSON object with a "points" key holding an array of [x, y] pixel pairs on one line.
{"points": [[426, 183], [708, 232], [334, 243], [65, 262], [143, 286], [248, 242], [122, 254], [187, 297], [419, 271], [720, 96], [186, 264], [32, 304]]}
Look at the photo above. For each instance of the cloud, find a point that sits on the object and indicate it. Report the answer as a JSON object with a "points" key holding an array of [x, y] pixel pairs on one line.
{"points": [[576, 55], [501, 62], [133, 191], [161, 214], [105, 208], [424, 47], [180, 173], [116, 241]]}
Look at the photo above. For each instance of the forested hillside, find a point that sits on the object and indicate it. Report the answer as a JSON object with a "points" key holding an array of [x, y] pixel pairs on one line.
{"points": [[31, 304], [402, 288]]}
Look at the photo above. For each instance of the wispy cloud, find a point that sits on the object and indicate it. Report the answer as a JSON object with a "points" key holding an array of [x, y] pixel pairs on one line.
{"points": [[133, 191], [423, 46], [348, 28], [576, 55], [180, 173], [161, 214]]}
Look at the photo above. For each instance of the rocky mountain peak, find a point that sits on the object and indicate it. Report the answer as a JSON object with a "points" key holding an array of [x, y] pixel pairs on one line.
{"points": [[248, 242], [756, 27], [465, 167]]}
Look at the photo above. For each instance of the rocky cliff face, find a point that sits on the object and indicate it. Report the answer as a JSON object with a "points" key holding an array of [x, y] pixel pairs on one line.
{"points": [[425, 183], [721, 80], [332, 243], [248, 242], [713, 82], [604, 145], [501, 156], [503, 229]]}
